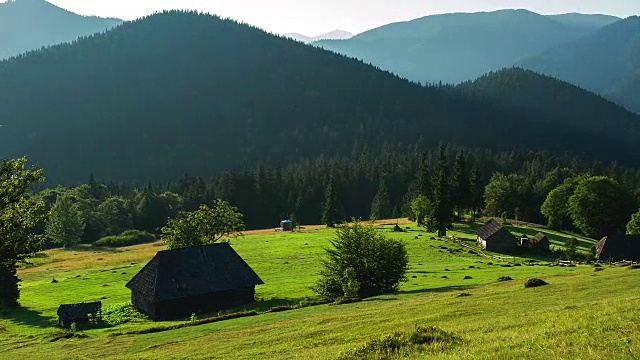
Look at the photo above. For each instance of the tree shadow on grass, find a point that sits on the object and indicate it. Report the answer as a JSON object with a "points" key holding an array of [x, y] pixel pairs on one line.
{"points": [[438, 290], [29, 317]]}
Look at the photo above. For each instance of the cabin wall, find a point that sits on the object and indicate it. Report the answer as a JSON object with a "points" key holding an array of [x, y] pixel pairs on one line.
{"points": [[207, 303], [143, 304]]}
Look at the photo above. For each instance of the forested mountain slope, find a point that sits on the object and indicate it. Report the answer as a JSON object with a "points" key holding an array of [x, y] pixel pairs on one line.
{"points": [[31, 24], [457, 47], [606, 62], [555, 105], [182, 92]]}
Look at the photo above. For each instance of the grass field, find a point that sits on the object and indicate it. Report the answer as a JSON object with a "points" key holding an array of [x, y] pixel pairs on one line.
{"points": [[581, 314]]}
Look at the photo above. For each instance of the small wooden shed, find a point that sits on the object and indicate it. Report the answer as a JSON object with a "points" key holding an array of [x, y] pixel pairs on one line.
{"points": [[202, 279], [82, 313], [618, 248], [493, 237], [540, 242], [286, 225], [525, 241]]}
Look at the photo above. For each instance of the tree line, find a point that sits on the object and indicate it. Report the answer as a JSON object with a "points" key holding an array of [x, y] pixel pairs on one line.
{"points": [[432, 188]]}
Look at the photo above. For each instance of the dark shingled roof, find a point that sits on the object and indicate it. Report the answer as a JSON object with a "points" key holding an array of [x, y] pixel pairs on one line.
{"points": [[180, 273], [490, 229], [539, 238], [619, 247], [78, 311]]}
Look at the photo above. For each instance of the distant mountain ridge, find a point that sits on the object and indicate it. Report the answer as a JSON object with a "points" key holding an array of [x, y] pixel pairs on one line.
{"points": [[332, 35], [31, 24], [606, 62], [452, 48]]}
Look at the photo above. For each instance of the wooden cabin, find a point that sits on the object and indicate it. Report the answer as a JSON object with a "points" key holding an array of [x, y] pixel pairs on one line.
{"points": [[618, 248], [540, 242], [82, 313], [202, 279], [493, 237]]}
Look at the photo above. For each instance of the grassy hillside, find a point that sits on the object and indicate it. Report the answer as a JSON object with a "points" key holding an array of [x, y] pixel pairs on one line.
{"points": [[511, 319], [31, 24]]}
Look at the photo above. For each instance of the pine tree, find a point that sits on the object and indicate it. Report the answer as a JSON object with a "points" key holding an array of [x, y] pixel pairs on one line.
{"points": [[381, 205], [331, 211], [475, 190], [65, 224], [441, 212], [423, 178], [460, 185]]}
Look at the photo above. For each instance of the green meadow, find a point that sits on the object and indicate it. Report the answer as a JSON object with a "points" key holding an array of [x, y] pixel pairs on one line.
{"points": [[580, 314]]}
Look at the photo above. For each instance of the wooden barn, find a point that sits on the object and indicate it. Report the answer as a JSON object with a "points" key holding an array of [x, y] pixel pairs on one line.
{"points": [[618, 248], [493, 237], [83, 313], [178, 283], [540, 242]]}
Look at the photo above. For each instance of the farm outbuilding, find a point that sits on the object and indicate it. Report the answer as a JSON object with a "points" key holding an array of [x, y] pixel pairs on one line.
{"points": [[618, 248], [178, 283], [525, 241], [82, 313], [493, 237], [286, 225], [540, 242]]}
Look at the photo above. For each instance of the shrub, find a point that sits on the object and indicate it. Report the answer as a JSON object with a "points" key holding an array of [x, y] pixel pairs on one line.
{"points": [[127, 238], [379, 264], [535, 283], [121, 314], [401, 343]]}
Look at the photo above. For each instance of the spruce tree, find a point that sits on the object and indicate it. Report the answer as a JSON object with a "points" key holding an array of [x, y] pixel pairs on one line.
{"points": [[475, 190], [460, 185], [381, 205], [331, 211], [441, 212]]}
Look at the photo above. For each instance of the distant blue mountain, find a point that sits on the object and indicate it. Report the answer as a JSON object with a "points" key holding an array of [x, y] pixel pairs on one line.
{"points": [[31, 24], [452, 48]]}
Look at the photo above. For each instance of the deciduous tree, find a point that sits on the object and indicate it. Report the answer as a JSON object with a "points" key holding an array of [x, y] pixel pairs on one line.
{"points": [[65, 224], [203, 226], [19, 214], [364, 260]]}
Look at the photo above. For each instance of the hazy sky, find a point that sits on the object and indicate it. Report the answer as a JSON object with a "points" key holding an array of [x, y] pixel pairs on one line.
{"points": [[313, 17]]}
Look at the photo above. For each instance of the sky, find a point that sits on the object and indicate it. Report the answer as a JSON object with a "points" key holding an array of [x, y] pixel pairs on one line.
{"points": [[314, 17]]}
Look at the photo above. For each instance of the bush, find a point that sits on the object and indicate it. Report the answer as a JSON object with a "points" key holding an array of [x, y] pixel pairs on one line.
{"points": [[535, 283], [401, 343], [362, 259], [127, 238], [121, 314]]}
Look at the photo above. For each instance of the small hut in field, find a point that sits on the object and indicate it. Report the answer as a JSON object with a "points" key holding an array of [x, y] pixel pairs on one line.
{"points": [[540, 242], [178, 283], [286, 225], [493, 237], [618, 248], [82, 313]]}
